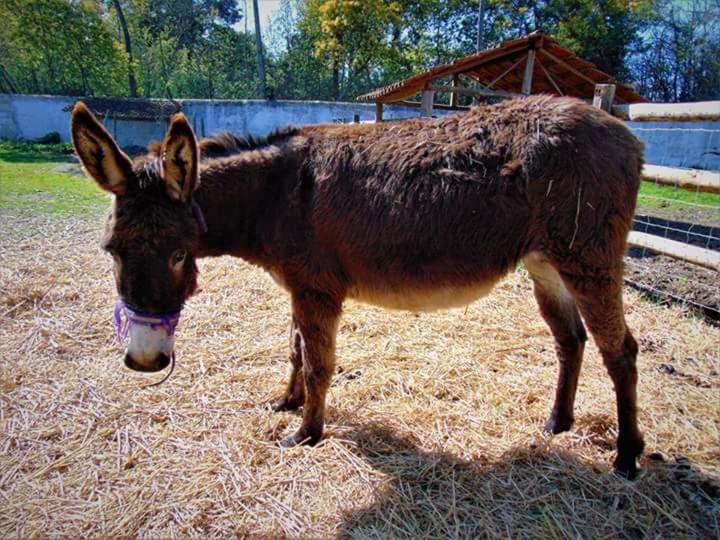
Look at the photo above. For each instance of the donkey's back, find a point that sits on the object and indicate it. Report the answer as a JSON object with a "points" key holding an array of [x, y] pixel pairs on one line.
{"points": [[429, 214]]}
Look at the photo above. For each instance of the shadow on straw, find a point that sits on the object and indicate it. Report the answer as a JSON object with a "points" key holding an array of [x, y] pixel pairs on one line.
{"points": [[526, 493]]}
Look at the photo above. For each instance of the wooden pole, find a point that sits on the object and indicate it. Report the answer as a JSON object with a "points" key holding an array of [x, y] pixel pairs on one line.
{"points": [[679, 250], [426, 109], [527, 79], [454, 95], [604, 96], [378, 111], [690, 179], [701, 111]]}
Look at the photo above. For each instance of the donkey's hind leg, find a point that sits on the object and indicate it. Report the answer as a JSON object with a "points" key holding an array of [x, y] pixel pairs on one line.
{"points": [[294, 395], [599, 298], [558, 308]]}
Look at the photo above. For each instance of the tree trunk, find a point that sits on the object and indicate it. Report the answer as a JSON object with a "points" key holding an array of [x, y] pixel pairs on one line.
{"points": [[335, 81], [259, 47], [132, 83]]}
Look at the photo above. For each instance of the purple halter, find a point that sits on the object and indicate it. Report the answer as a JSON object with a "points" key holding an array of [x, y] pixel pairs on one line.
{"points": [[169, 321]]}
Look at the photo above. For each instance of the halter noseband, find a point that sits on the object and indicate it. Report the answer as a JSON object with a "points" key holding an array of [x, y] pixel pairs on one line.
{"points": [[169, 321], [126, 317]]}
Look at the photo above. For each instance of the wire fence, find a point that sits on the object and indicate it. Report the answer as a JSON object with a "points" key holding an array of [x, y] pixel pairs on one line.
{"points": [[674, 213]]}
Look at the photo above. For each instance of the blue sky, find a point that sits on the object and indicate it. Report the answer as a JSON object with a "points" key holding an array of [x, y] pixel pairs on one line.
{"points": [[267, 8]]}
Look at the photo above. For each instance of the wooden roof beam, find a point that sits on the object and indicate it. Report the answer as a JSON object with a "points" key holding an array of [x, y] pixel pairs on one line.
{"points": [[569, 67], [549, 77], [508, 70], [482, 92]]}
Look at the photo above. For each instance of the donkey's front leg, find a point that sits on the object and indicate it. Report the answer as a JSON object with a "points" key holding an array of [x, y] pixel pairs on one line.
{"points": [[316, 315], [294, 395]]}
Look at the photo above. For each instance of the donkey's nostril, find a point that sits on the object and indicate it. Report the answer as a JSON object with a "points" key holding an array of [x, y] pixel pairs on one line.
{"points": [[163, 360], [160, 362]]}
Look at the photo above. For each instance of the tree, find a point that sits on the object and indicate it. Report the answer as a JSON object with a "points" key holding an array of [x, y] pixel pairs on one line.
{"points": [[351, 34], [61, 47], [259, 49], [679, 59], [132, 84]]}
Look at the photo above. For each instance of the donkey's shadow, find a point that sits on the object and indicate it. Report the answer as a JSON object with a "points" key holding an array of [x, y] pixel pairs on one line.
{"points": [[532, 493]]}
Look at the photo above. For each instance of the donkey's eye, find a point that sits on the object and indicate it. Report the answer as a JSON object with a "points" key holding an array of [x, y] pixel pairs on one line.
{"points": [[178, 257]]}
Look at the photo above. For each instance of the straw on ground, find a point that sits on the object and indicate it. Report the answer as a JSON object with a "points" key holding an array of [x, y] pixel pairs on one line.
{"points": [[434, 420]]}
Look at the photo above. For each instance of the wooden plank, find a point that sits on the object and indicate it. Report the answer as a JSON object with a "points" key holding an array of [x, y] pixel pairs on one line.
{"points": [[508, 70], [604, 96], [426, 107], [549, 77], [378, 111], [567, 66], [658, 112], [527, 78], [478, 92], [406, 103], [679, 250], [690, 179]]}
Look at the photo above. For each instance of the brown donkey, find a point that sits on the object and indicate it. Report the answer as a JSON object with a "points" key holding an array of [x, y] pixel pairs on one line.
{"points": [[417, 215]]}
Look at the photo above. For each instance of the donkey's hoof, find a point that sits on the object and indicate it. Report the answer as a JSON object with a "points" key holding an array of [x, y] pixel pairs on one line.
{"points": [[298, 438], [627, 471], [628, 452], [286, 403], [557, 424]]}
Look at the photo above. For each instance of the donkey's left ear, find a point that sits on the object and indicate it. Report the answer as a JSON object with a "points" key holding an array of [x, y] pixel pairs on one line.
{"points": [[180, 158]]}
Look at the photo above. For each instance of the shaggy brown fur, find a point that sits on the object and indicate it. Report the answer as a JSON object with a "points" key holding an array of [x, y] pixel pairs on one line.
{"points": [[418, 215]]}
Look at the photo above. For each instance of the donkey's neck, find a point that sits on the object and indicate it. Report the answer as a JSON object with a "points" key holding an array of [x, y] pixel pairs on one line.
{"points": [[241, 197]]}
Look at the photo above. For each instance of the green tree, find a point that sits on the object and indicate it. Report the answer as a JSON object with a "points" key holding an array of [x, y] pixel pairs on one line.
{"points": [[679, 59], [60, 47]]}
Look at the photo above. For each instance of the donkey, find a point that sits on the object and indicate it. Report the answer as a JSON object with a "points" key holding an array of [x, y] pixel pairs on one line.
{"points": [[415, 215]]}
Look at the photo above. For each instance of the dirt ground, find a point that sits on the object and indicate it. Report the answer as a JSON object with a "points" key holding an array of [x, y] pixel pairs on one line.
{"points": [[672, 281], [434, 420]]}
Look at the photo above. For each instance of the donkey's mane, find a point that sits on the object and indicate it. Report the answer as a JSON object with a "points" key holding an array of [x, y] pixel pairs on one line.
{"points": [[148, 167], [226, 144]]}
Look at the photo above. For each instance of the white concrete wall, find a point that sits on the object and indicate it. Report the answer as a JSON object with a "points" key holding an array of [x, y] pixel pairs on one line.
{"points": [[672, 144], [687, 145], [30, 117]]}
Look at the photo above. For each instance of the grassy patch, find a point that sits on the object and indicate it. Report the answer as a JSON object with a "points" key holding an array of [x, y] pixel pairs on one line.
{"points": [[677, 196], [43, 179], [678, 204]]}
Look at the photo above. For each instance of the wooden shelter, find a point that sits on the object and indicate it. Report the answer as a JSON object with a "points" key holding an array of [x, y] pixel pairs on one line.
{"points": [[531, 64]]}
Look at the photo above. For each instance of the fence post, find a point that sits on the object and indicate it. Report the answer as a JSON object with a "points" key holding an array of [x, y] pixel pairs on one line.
{"points": [[426, 108], [604, 96], [378, 111]]}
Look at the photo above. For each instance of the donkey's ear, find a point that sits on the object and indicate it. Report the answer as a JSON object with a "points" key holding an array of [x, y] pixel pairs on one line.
{"points": [[100, 155], [180, 159]]}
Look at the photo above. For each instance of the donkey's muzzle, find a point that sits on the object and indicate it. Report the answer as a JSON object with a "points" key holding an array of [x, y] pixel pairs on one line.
{"points": [[160, 362]]}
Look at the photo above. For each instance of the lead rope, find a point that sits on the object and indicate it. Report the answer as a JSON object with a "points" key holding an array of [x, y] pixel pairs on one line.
{"points": [[167, 375]]}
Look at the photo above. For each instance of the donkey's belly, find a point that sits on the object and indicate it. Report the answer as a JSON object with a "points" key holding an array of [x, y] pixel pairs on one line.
{"points": [[422, 298]]}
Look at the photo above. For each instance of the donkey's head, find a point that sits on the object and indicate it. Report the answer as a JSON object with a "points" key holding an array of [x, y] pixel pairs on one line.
{"points": [[152, 233]]}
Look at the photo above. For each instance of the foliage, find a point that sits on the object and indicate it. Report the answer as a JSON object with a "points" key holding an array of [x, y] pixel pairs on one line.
{"points": [[679, 59], [60, 47], [338, 49]]}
